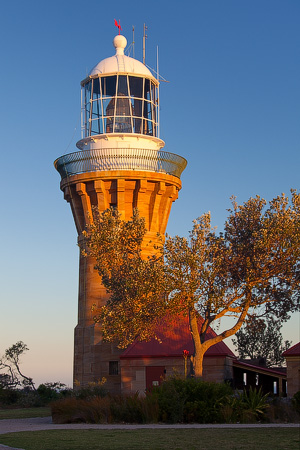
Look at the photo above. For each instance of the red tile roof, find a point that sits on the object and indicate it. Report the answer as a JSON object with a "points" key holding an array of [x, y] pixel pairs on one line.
{"points": [[293, 351], [174, 340]]}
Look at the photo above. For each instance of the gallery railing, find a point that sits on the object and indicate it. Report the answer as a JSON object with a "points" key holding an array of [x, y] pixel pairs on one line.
{"points": [[120, 159]]}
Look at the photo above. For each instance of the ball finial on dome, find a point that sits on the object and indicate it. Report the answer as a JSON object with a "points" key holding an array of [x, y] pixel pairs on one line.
{"points": [[120, 43]]}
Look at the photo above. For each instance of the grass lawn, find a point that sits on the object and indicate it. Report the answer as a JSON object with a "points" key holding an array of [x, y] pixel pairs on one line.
{"points": [[24, 413], [157, 439]]}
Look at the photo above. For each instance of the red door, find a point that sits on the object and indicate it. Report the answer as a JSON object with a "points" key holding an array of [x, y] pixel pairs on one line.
{"points": [[154, 376]]}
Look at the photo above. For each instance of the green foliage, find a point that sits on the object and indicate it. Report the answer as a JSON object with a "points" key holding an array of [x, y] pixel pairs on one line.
{"points": [[253, 264], [9, 396], [90, 391], [282, 410], [246, 407], [296, 401], [176, 400], [255, 402], [134, 408], [108, 409], [27, 398], [48, 392], [190, 400], [136, 284], [261, 338]]}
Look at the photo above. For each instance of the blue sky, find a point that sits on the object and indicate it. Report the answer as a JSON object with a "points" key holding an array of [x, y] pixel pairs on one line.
{"points": [[231, 108]]}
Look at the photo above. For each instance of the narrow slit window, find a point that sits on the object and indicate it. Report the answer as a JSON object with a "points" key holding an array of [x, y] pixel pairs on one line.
{"points": [[113, 368]]}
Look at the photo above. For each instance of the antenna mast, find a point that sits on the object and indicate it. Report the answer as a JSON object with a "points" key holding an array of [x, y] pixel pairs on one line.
{"points": [[144, 44], [133, 41], [157, 72]]}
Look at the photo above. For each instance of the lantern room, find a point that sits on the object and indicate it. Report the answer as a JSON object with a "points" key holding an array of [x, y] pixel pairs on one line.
{"points": [[120, 95]]}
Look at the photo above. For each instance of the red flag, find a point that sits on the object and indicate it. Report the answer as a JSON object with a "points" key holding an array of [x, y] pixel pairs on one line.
{"points": [[118, 25]]}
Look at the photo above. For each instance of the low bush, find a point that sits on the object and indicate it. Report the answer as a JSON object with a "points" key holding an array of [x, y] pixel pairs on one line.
{"points": [[176, 400], [28, 397], [296, 401], [245, 407], [93, 389], [282, 410], [9, 396], [48, 392], [108, 409], [191, 400]]}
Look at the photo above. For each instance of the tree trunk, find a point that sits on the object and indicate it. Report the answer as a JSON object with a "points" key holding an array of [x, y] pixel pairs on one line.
{"points": [[197, 359]]}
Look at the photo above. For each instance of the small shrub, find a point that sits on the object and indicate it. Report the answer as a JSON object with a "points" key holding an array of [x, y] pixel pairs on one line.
{"points": [[127, 408], [171, 398], [255, 403], [67, 411], [246, 407], [296, 401], [108, 409], [190, 400], [51, 391], [150, 408], [282, 410], [9, 396], [93, 389], [30, 399]]}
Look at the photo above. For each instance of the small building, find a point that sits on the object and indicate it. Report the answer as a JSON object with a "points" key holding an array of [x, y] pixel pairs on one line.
{"points": [[146, 364], [292, 356], [270, 380]]}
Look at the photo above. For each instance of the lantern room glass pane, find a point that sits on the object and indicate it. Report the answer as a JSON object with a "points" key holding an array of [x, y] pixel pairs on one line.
{"points": [[122, 125], [96, 107], [149, 127], [153, 93], [136, 87], [87, 92], [123, 107], [122, 85], [96, 88], [108, 85], [109, 127], [137, 108], [96, 126], [137, 124], [147, 110], [110, 108], [147, 94]]}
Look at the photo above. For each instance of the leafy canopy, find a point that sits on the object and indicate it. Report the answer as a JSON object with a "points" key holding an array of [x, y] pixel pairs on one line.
{"points": [[261, 338], [254, 264]]}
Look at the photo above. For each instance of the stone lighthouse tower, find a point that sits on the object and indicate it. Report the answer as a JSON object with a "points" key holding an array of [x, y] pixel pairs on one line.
{"points": [[119, 163]]}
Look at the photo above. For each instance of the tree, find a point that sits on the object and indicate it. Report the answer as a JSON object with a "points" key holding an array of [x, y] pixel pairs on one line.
{"points": [[137, 285], [254, 264], [10, 363], [261, 338]]}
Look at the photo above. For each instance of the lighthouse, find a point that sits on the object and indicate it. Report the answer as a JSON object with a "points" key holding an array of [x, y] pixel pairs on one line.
{"points": [[120, 162]]}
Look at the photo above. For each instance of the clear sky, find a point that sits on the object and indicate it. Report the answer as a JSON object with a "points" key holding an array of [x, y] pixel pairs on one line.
{"points": [[231, 108]]}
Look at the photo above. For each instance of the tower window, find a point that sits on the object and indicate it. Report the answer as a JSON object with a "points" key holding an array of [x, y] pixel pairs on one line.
{"points": [[113, 368]]}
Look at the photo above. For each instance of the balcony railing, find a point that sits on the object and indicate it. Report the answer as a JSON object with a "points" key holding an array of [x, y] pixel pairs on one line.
{"points": [[120, 159]]}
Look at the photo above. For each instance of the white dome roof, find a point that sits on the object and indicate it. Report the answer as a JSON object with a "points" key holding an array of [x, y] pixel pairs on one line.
{"points": [[120, 62]]}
